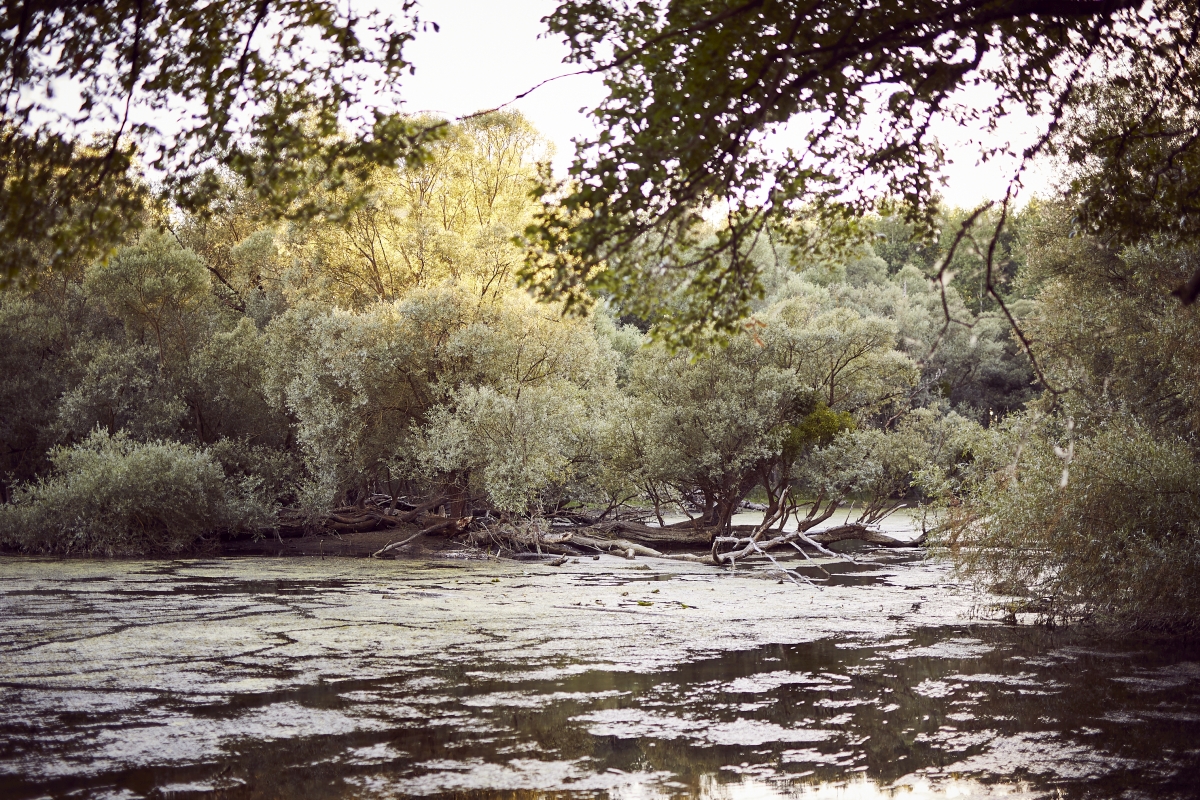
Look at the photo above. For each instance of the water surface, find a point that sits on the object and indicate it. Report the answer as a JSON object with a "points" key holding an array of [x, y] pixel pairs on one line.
{"points": [[611, 678]]}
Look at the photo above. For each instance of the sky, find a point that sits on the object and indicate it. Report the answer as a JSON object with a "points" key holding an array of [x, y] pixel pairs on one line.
{"points": [[489, 51]]}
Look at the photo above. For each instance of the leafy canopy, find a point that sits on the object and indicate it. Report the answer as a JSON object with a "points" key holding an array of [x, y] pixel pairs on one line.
{"points": [[697, 87], [284, 95]]}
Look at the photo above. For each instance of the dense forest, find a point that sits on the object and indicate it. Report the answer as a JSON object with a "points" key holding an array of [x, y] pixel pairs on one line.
{"points": [[219, 376]]}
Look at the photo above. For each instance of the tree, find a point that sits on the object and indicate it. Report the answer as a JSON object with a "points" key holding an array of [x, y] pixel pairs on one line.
{"points": [[440, 390], [1087, 504], [719, 422], [285, 96], [697, 87], [452, 217]]}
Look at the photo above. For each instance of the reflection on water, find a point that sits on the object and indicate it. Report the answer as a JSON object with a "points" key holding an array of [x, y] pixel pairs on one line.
{"points": [[225, 693]]}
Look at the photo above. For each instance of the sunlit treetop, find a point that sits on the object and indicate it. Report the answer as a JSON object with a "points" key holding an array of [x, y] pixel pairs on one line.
{"points": [[281, 94], [697, 87]]}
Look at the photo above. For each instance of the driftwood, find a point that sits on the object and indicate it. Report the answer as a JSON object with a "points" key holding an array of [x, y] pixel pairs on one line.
{"points": [[365, 520], [539, 538], [680, 533], [440, 526], [729, 549], [396, 545], [622, 547], [863, 533], [371, 516], [630, 539], [690, 534]]}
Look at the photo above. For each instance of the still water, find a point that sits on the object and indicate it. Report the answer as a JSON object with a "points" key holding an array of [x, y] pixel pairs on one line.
{"points": [[610, 678]]}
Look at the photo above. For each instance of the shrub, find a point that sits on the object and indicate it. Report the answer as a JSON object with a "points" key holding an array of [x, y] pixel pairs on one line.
{"points": [[1105, 526], [111, 495]]}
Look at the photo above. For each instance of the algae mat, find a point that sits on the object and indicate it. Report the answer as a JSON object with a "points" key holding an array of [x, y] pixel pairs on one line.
{"points": [[651, 678]]}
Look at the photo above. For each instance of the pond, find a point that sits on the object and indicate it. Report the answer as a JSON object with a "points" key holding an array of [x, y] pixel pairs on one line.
{"points": [[298, 678]]}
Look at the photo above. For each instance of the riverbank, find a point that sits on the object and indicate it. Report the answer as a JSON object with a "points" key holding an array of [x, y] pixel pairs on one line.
{"points": [[351, 545], [904, 525]]}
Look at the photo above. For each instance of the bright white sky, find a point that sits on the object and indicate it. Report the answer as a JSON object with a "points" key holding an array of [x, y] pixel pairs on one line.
{"points": [[489, 51]]}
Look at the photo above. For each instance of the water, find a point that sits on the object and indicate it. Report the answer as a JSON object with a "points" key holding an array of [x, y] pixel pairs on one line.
{"points": [[610, 678], [904, 524]]}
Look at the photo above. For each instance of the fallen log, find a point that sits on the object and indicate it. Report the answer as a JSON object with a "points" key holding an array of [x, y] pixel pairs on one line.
{"points": [[442, 526], [448, 527], [680, 533], [358, 523], [533, 537], [693, 557], [728, 549], [539, 558], [395, 545], [858, 532], [622, 546]]}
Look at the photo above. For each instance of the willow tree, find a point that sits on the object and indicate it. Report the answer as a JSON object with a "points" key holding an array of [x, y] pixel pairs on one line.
{"points": [[719, 422], [451, 217], [441, 392]]}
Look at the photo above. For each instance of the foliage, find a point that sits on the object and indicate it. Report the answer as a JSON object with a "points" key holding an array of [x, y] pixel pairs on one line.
{"points": [[111, 495], [1131, 142], [707, 423], [452, 217], [1087, 504], [266, 92], [1146, 355], [971, 364], [33, 339], [117, 386], [315, 364], [512, 446], [883, 470], [1112, 534], [701, 94], [718, 422], [62, 202], [818, 427], [415, 389]]}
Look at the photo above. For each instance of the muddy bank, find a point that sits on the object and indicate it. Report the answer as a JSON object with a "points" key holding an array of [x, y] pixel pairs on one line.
{"points": [[351, 545]]}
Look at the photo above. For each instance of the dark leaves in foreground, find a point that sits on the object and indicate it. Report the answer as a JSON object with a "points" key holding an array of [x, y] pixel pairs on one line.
{"points": [[284, 96], [729, 120]]}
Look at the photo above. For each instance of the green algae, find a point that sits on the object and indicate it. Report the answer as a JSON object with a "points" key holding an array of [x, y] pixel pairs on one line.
{"points": [[347, 678]]}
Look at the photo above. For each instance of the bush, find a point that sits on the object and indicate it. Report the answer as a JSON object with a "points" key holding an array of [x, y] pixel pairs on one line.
{"points": [[1106, 526], [111, 495]]}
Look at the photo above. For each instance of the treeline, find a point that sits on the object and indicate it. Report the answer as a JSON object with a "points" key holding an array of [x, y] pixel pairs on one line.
{"points": [[216, 371], [219, 377]]}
